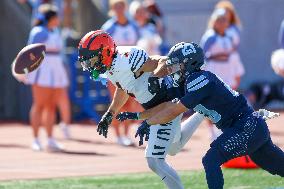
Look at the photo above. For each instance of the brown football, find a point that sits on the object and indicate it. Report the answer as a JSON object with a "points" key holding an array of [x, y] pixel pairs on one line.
{"points": [[29, 58]]}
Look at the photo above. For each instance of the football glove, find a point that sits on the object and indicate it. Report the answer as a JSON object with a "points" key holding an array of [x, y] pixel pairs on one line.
{"points": [[265, 114], [143, 131], [122, 116], [104, 124]]}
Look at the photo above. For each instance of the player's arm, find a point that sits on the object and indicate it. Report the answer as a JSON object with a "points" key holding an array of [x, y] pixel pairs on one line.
{"points": [[153, 111], [119, 99], [152, 64], [171, 111], [141, 115]]}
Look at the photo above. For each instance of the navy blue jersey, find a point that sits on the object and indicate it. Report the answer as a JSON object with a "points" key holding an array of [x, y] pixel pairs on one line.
{"points": [[207, 94], [165, 89]]}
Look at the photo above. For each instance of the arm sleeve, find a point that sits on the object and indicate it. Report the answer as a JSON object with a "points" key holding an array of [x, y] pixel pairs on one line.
{"points": [[281, 35], [109, 26], [207, 41], [196, 91], [38, 35], [137, 58]]}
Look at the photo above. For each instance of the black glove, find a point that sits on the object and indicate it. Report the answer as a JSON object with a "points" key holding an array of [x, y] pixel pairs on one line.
{"points": [[104, 123], [122, 116], [143, 130]]}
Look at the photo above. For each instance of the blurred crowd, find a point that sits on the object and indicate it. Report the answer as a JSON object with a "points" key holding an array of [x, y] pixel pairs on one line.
{"points": [[137, 22]]}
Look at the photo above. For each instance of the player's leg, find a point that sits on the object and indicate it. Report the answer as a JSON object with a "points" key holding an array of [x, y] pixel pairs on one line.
{"points": [[165, 172], [222, 149], [234, 142], [188, 127], [212, 162], [270, 158], [158, 146]]}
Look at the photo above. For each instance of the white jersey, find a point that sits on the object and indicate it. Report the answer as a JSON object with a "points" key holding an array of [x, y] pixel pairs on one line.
{"points": [[128, 60]]}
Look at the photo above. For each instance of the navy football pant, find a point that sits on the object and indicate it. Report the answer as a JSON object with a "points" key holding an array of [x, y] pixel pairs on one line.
{"points": [[247, 136]]}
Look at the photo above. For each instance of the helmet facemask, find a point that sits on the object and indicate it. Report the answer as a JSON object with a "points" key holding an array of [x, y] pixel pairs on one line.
{"points": [[94, 65], [176, 71]]}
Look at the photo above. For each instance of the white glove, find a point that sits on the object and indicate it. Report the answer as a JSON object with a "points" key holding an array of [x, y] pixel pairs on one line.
{"points": [[265, 114]]}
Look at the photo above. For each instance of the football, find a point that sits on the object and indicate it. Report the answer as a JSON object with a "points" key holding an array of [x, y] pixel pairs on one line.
{"points": [[29, 58]]}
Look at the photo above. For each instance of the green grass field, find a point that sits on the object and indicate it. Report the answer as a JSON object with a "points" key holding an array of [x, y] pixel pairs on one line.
{"points": [[234, 179]]}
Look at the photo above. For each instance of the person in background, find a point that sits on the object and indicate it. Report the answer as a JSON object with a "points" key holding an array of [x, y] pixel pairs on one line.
{"points": [[233, 31], [155, 16], [125, 32], [63, 105], [218, 48], [281, 35], [150, 39], [49, 82]]}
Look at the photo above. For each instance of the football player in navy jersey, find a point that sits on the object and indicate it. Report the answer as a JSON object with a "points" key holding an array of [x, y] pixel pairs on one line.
{"points": [[244, 131]]}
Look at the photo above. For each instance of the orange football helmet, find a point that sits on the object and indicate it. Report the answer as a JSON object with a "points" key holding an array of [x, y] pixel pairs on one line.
{"points": [[96, 52]]}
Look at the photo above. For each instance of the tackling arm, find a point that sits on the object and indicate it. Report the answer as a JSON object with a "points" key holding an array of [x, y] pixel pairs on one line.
{"points": [[168, 113], [153, 111], [153, 64]]}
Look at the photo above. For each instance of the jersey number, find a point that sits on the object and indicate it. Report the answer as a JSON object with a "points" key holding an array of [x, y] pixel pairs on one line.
{"points": [[210, 114]]}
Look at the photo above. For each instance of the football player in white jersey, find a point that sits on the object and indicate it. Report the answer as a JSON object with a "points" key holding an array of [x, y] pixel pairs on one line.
{"points": [[133, 72]]}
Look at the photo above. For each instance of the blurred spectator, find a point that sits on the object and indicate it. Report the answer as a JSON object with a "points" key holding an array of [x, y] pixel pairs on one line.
{"points": [[233, 31], [49, 81], [155, 16], [149, 40], [36, 3], [123, 30], [63, 104], [218, 48], [281, 35], [125, 33]]}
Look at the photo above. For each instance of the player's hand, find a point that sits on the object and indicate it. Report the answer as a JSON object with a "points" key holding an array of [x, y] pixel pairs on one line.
{"points": [[122, 116], [143, 131], [266, 115], [104, 124]]}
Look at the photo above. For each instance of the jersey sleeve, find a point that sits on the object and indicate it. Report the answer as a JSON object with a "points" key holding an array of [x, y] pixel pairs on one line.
{"points": [[196, 89], [109, 26], [38, 35], [207, 40], [137, 58], [281, 34]]}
